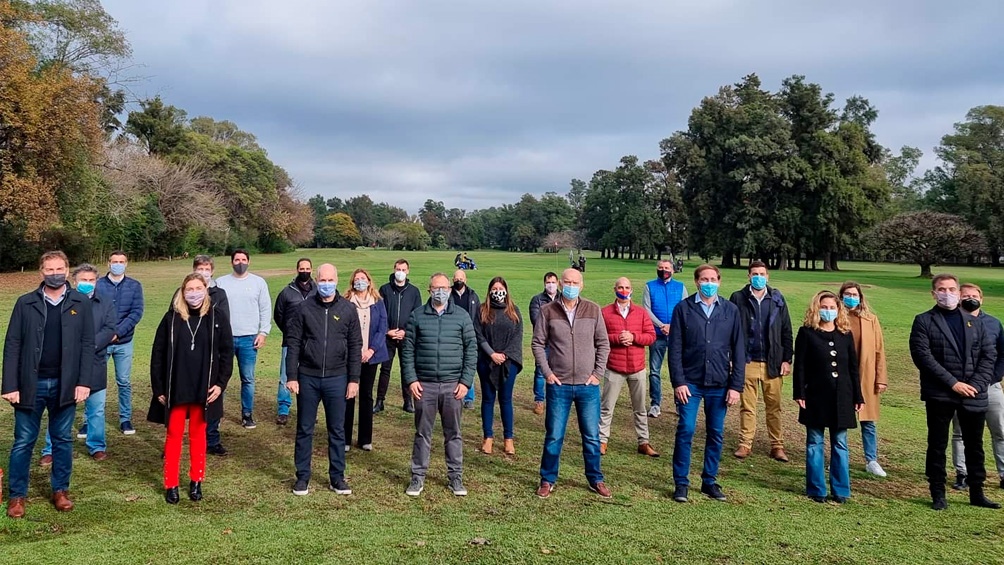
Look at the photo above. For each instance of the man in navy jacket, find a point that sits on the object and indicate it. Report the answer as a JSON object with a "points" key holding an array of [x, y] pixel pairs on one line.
{"points": [[707, 360], [126, 294]]}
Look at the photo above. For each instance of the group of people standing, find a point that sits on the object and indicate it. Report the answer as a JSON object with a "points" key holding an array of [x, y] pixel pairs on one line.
{"points": [[719, 352]]}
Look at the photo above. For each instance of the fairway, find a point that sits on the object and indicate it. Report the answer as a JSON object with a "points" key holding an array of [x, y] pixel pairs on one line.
{"points": [[250, 516]]}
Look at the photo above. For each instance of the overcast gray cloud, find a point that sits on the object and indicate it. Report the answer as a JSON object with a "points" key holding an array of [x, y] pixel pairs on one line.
{"points": [[474, 102]]}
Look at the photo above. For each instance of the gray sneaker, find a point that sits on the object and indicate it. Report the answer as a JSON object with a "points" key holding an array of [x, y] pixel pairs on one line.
{"points": [[416, 486], [654, 411], [457, 486]]}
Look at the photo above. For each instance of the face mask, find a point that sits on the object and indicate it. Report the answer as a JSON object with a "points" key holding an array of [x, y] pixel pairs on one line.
{"points": [[664, 275], [400, 276], [551, 288], [758, 282], [852, 302], [302, 277], [54, 281], [459, 285], [326, 289], [194, 298], [117, 269], [947, 300], [970, 304], [570, 292], [361, 285], [88, 288], [439, 296], [709, 289], [241, 268], [498, 296], [621, 296], [828, 315], [207, 275]]}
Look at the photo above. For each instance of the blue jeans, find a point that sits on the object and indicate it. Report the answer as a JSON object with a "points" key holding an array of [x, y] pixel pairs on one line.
{"points": [[94, 419], [329, 392], [488, 395], [539, 380], [121, 356], [470, 395], [283, 398], [656, 355], [714, 421], [560, 398], [869, 439], [815, 463], [246, 355], [26, 427]]}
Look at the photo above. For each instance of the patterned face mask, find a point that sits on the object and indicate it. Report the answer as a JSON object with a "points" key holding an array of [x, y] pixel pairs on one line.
{"points": [[498, 296]]}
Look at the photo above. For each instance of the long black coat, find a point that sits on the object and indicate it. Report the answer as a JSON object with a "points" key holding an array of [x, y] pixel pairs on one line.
{"points": [[943, 362], [105, 320], [22, 347], [220, 364], [825, 376]]}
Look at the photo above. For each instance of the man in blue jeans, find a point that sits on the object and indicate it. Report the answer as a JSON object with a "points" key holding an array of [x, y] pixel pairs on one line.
{"points": [[250, 321], [536, 303], [48, 365], [574, 335], [126, 293], [707, 360], [661, 297]]}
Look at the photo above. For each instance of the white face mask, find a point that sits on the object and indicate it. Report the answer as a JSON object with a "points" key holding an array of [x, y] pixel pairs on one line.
{"points": [[551, 288], [947, 300], [400, 276]]}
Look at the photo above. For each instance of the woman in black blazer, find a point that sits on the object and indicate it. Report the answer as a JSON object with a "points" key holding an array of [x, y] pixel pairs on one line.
{"points": [[827, 388]]}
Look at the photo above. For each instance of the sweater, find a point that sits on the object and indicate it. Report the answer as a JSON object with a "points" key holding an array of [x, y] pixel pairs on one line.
{"points": [[501, 335], [250, 304], [628, 359], [577, 350]]}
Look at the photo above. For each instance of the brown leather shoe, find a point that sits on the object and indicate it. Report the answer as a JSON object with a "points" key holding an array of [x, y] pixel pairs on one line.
{"points": [[777, 454], [15, 507], [545, 489], [509, 447], [743, 452], [486, 446], [538, 408], [603, 448], [646, 449], [45, 461], [61, 500], [601, 489], [99, 456]]}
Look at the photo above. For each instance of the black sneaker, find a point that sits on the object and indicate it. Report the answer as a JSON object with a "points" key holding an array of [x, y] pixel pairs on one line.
{"points": [[217, 449], [409, 406], [839, 499], [340, 487], [819, 499], [939, 503], [1002, 482], [248, 422], [300, 488], [680, 494], [378, 406], [282, 419], [960, 482], [127, 429], [713, 491]]}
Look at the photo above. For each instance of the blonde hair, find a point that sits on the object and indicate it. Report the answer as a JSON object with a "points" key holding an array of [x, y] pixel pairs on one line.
{"points": [[371, 290], [181, 307], [812, 312]]}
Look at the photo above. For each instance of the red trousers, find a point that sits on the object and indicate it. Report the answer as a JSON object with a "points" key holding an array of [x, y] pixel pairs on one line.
{"points": [[196, 443]]}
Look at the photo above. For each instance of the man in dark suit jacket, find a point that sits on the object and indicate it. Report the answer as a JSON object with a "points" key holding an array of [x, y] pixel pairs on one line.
{"points": [[955, 356]]}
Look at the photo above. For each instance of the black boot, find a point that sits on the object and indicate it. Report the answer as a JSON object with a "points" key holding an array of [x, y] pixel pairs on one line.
{"points": [[378, 406], [938, 501], [976, 498], [409, 405], [195, 491], [171, 495], [960, 482]]}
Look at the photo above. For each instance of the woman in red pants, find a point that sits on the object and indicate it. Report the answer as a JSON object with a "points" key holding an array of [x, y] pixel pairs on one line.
{"points": [[192, 361]]}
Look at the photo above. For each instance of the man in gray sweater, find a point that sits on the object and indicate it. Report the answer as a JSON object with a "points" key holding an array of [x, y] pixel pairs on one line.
{"points": [[572, 331]]}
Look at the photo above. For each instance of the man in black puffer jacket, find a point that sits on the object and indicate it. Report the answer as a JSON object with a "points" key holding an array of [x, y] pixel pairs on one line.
{"points": [[401, 298], [438, 360], [955, 356]]}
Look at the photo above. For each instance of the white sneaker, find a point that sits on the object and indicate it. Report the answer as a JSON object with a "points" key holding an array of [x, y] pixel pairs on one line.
{"points": [[874, 468], [367, 447], [348, 448], [654, 411]]}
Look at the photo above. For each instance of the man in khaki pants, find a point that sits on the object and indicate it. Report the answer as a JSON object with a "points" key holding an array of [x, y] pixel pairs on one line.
{"points": [[766, 326], [630, 331]]}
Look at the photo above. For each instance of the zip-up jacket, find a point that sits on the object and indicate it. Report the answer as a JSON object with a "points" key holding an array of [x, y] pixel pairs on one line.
{"points": [[127, 296], [400, 301], [778, 333], [440, 347], [323, 339], [289, 298], [577, 350], [703, 351]]}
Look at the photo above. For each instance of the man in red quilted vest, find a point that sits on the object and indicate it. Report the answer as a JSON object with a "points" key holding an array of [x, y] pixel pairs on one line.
{"points": [[630, 331]]}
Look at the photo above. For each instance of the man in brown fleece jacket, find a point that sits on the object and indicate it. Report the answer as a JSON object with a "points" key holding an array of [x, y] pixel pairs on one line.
{"points": [[575, 336]]}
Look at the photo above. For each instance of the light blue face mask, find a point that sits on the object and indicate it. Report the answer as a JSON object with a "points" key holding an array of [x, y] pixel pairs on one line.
{"points": [[117, 269], [570, 292], [85, 288], [852, 302], [327, 289], [828, 315], [709, 289], [758, 282]]}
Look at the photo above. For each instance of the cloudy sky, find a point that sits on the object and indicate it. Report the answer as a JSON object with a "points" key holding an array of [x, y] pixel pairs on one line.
{"points": [[475, 103]]}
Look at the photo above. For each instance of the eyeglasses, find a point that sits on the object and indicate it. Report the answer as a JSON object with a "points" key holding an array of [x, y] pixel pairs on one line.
{"points": [[439, 288]]}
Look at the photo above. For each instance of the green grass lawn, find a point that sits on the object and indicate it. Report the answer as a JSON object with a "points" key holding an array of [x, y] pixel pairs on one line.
{"points": [[249, 515]]}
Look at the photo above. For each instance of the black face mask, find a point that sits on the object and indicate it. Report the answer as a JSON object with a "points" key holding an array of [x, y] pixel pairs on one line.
{"points": [[55, 281], [664, 275], [970, 304], [302, 277], [240, 268], [459, 285]]}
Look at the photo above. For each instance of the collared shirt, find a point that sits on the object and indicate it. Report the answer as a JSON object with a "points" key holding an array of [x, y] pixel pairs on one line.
{"points": [[570, 313], [56, 301], [624, 309], [708, 308]]}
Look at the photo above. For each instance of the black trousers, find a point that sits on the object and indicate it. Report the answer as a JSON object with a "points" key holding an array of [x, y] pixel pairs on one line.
{"points": [[939, 419], [366, 378], [329, 392], [393, 348]]}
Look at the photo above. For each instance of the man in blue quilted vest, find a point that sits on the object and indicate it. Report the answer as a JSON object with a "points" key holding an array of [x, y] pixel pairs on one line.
{"points": [[661, 296]]}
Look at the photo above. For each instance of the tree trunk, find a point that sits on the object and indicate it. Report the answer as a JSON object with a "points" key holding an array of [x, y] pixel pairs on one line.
{"points": [[995, 257], [728, 259], [925, 271]]}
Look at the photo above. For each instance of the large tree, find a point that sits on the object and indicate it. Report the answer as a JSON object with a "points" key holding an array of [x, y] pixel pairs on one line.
{"points": [[926, 238]]}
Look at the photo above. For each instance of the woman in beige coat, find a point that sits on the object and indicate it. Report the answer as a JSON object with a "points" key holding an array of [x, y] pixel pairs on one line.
{"points": [[871, 361]]}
